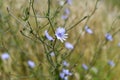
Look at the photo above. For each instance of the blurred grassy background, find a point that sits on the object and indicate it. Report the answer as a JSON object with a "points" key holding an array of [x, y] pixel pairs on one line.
{"points": [[22, 49], [114, 3]]}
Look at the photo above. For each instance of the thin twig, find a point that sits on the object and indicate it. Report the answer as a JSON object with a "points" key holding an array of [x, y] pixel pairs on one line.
{"points": [[32, 2], [10, 13], [77, 23]]}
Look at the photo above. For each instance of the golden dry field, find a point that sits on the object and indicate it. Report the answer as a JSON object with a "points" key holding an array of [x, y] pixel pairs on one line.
{"points": [[93, 28]]}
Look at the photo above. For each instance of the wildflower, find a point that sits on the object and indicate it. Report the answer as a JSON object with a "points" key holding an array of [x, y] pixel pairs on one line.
{"points": [[52, 54], [69, 45], [69, 2], [64, 74], [66, 78], [111, 63], [108, 36], [60, 34], [67, 72], [85, 67], [66, 14], [48, 36], [31, 64], [88, 30], [5, 56], [65, 63], [67, 11], [64, 17]]}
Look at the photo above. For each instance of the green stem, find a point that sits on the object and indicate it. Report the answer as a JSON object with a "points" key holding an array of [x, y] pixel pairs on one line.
{"points": [[32, 2], [51, 25], [77, 23], [48, 8]]}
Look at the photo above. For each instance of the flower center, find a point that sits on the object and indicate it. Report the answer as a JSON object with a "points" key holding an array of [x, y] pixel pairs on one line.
{"points": [[60, 34]]}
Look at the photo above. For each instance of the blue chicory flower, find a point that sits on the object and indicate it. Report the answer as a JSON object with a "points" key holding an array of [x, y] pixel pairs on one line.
{"points": [[52, 54], [88, 30], [67, 72], [64, 74], [66, 14], [85, 67], [69, 45], [108, 36], [69, 2], [67, 11], [5, 56], [66, 78], [64, 17], [61, 34], [111, 63], [65, 63], [48, 36], [31, 64]]}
